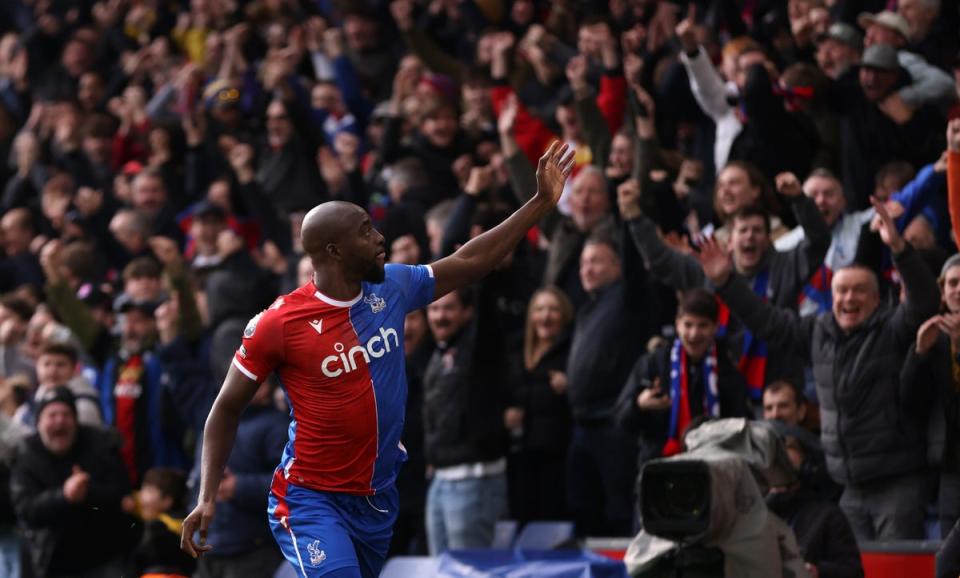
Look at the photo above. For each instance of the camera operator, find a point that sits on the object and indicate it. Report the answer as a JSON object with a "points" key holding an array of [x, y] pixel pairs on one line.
{"points": [[822, 530]]}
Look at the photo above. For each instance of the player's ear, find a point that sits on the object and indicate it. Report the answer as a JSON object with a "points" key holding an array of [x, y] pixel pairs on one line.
{"points": [[333, 250]]}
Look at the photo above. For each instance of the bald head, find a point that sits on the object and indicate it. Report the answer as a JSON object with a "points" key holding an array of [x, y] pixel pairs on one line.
{"points": [[342, 244], [328, 223]]}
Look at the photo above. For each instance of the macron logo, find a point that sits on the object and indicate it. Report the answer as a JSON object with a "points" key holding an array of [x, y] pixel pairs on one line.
{"points": [[317, 325]]}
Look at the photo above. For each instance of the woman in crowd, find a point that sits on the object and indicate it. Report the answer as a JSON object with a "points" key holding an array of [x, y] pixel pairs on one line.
{"points": [[540, 412]]}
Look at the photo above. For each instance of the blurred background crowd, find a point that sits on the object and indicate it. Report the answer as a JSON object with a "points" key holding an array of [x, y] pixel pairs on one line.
{"points": [[161, 155]]}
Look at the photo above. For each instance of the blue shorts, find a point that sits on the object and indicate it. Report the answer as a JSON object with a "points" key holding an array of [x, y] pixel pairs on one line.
{"points": [[320, 532]]}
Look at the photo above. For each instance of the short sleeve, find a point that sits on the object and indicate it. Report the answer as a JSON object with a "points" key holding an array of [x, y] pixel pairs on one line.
{"points": [[416, 282], [262, 348]]}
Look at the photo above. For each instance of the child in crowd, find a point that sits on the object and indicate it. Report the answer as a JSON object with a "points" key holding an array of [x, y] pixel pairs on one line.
{"points": [[160, 504]]}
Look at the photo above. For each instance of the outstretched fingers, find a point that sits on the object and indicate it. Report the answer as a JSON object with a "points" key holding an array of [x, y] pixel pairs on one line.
{"points": [[559, 153], [566, 164], [548, 155], [709, 246]]}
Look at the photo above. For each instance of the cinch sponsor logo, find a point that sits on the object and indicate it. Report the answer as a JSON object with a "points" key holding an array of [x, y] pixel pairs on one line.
{"points": [[346, 361]]}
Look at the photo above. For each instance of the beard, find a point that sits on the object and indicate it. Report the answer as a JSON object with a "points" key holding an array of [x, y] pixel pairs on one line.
{"points": [[374, 272]]}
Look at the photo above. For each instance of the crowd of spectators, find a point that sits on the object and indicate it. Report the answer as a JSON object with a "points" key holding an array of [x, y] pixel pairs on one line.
{"points": [[766, 193]]}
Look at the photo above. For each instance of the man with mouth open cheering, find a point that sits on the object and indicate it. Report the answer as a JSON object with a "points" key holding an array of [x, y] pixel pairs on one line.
{"points": [[872, 421], [777, 277]]}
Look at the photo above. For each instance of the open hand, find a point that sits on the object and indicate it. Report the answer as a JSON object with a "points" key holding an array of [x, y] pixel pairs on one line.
{"points": [[715, 260], [885, 226], [552, 171]]}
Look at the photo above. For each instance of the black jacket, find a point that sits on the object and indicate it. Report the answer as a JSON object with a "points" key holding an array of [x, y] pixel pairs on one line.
{"points": [[871, 423], [465, 393], [871, 139], [159, 552], [823, 533], [611, 330], [547, 422], [931, 375], [773, 138], [653, 425], [63, 537]]}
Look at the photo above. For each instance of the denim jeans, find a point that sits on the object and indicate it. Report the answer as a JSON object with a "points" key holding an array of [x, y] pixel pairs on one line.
{"points": [[9, 554], [463, 513]]}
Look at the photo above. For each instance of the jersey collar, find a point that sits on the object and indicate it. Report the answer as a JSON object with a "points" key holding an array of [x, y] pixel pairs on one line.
{"points": [[335, 302]]}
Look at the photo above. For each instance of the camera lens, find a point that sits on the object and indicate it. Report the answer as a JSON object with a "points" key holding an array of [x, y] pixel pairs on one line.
{"points": [[680, 496]]}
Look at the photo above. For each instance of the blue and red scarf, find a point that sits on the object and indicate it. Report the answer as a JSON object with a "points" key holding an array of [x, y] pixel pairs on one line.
{"points": [[816, 296], [753, 361], [680, 394]]}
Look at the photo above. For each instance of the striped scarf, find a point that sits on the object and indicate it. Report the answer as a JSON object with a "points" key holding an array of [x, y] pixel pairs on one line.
{"points": [[680, 394], [753, 360], [815, 297]]}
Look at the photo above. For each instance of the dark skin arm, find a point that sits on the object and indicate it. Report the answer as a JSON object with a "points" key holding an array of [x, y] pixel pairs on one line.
{"points": [[484, 252], [218, 437]]}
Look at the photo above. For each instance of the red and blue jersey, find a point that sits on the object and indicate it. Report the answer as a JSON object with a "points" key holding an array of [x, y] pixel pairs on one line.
{"points": [[342, 366]]}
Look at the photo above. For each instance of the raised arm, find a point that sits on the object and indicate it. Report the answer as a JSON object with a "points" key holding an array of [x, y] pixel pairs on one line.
{"points": [[916, 195], [595, 129], [930, 84], [484, 252], [705, 82], [666, 264], [779, 327], [927, 360], [922, 292], [808, 255]]}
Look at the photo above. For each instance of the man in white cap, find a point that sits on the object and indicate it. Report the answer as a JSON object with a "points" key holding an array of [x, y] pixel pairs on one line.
{"points": [[884, 28]]}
